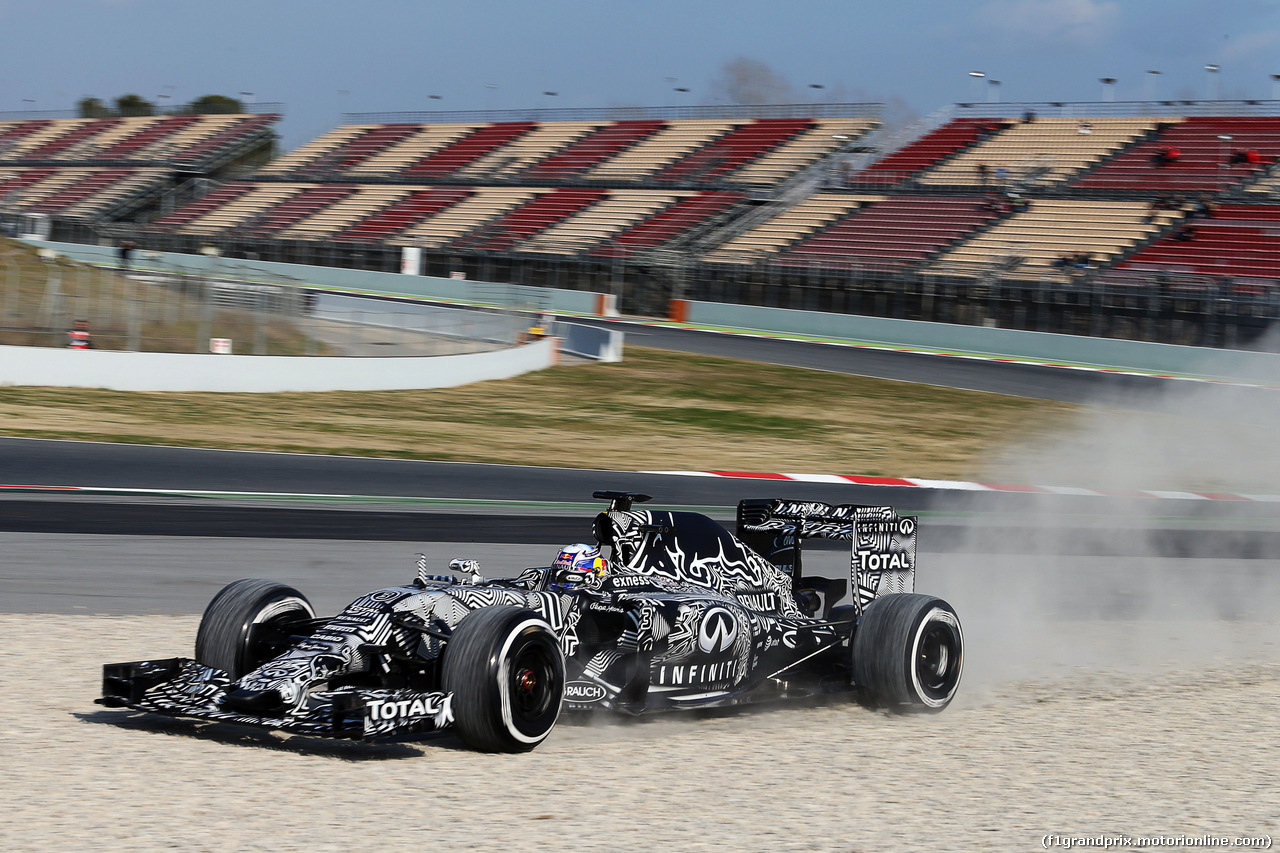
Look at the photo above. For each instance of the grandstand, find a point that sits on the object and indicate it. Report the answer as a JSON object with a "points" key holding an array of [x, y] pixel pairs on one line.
{"points": [[90, 170], [1025, 215]]}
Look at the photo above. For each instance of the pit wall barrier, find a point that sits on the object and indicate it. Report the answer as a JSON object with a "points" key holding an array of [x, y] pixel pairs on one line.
{"points": [[148, 371], [1106, 353]]}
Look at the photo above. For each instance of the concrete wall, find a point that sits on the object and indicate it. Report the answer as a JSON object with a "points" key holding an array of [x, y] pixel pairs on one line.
{"points": [[145, 371], [1102, 352]]}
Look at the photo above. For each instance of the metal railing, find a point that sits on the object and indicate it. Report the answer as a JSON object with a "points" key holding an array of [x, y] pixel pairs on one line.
{"points": [[164, 305], [668, 113]]}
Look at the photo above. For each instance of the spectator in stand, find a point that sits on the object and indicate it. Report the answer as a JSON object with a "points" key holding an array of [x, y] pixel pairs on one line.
{"points": [[983, 171], [1185, 234], [78, 336], [1029, 116], [1084, 128], [1002, 176], [1202, 209], [1166, 157]]}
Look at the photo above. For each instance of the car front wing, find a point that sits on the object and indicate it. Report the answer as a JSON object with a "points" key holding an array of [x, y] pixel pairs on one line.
{"points": [[180, 687]]}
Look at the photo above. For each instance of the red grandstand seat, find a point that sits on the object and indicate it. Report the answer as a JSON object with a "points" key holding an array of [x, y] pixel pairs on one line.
{"points": [[1239, 241], [296, 208], [1205, 145], [529, 218], [152, 133], [468, 149], [927, 151], [670, 222], [733, 150], [589, 151], [80, 190], [187, 213], [405, 213], [898, 229], [60, 143]]}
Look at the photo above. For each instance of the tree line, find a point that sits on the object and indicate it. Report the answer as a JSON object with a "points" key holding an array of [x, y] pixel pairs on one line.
{"points": [[136, 105]]}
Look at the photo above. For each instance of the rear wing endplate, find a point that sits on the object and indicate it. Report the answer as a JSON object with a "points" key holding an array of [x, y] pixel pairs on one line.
{"points": [[882, 550]]}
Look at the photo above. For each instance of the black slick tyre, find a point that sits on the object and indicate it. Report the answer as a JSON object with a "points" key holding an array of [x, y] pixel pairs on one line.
{"points": [[505, 670], [239, 626], [908, 653]]}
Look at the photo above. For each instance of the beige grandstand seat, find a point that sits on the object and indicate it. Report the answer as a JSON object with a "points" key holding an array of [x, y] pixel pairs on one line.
{"points": [[313, 150], [485, 205], [140, 180], [428, 140], [523, 151], [1042, 152], [87, 148], [59, 180], [790, 225], [35, 139], [360, 205], [663, 148], [242, 208], [801, 152], [1051, 228], [600, 222], [192, 134]]}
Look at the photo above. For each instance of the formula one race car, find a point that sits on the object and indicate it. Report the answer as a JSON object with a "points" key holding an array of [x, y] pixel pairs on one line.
{"points": [[683, 614]]}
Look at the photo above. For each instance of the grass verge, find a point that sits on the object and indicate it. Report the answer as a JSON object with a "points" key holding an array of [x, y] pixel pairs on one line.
{"points": [[655, 410]]}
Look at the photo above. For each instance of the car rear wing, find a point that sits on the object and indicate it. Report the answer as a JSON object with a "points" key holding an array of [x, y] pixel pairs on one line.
{"points": [[882, 550]]}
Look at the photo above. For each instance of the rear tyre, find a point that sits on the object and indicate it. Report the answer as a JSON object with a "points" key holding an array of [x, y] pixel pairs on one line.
{"points": [[505, 670], [908, 652], [244, 623]]}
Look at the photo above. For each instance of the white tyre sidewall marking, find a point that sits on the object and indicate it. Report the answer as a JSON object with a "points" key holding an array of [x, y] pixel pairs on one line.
{"points": [[936, 614], [278, 608], [504, 685]]}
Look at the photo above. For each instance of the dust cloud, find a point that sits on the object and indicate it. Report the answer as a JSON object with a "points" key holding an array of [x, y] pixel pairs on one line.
{"points": [[1050, 584]]}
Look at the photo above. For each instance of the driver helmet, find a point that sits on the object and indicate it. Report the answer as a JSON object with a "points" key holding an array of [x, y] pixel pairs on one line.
{"points": [[580, 565]]}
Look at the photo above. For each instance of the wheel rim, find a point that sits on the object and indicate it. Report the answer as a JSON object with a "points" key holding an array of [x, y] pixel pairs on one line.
{"points": [[937, 659], [533, 677]]}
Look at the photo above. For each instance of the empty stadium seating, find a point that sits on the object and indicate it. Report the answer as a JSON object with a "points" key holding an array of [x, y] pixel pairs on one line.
{"points": [[790, 225], [1204, 146], [685, 214], [504, 232], [1240, 241], [576, 159], [466, 150], [602, 187], [1039, 153], [929, 150], [734, 149], [599, 223], [418, 205], [898, 231], [1028, 243]]}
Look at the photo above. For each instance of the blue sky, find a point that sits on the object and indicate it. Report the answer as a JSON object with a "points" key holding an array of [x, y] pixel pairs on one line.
{"points": [[322, 58]]}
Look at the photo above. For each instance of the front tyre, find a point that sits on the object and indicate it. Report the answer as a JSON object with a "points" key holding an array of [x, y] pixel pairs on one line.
{"points": [[908, 652], [505, 670], [243, 624]]}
